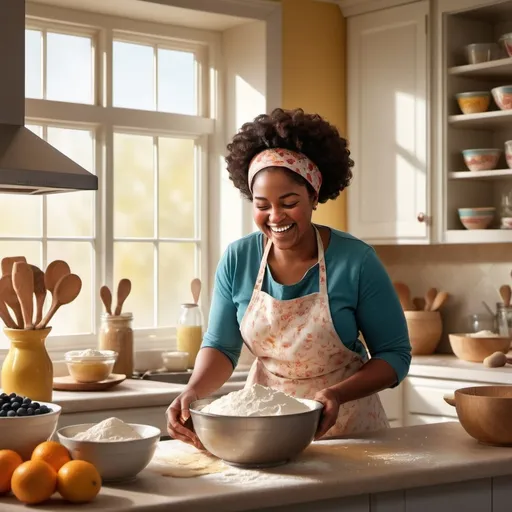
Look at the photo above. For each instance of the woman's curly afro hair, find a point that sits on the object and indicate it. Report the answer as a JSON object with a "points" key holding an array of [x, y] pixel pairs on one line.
{"points": [[295, 130]]}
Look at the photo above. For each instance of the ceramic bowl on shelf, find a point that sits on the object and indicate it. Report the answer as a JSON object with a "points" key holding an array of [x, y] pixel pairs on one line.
{"points": [[474, 102], [503, 96], [481, 159], [506, 42], [476, 218], [508, 153], [482, 52]]}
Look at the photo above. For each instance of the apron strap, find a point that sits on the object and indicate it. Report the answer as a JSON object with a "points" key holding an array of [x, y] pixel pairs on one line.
{"points": [[321, 263]]}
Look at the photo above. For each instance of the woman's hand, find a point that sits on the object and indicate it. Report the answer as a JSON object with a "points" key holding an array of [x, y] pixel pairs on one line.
{"points": [[331, 402], [178, 415]]}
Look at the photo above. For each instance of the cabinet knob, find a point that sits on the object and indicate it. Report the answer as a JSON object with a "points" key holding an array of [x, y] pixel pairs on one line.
{"points": [[423, 218]]}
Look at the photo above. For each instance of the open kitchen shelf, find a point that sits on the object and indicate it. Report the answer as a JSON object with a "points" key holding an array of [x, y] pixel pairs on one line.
{"points": [[494, 120], [497, 174], [496, 69], [491, 129]]}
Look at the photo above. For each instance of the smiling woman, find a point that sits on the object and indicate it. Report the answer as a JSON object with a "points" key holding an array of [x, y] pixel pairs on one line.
{"points": [[297, 294]]}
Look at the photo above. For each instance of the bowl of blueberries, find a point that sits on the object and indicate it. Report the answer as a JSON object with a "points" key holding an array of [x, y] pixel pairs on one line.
{"points": [[25, 423]]}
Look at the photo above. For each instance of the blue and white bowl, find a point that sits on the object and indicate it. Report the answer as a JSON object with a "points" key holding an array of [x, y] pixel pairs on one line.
{"points": [[477, 218]]}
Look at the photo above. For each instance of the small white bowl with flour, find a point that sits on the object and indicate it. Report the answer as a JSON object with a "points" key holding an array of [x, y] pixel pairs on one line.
{"points": [[118, 450], [255, 427]]}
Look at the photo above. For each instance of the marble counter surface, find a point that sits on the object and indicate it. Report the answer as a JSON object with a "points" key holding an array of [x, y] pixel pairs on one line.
{"points": [[388, 460]]}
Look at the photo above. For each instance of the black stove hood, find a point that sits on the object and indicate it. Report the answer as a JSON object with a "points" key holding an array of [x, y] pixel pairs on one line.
{"points": [[28, 164]]}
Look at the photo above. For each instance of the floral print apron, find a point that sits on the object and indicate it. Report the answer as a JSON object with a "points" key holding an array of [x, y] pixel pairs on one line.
{"points": [[298, 351]]}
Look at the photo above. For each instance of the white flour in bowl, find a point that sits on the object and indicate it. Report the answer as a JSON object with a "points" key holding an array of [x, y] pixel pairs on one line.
{"points": [[111, 429], [255, 401]]}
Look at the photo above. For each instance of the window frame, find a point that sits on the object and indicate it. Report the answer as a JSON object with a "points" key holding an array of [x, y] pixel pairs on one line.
{"points": [[104, 120]]}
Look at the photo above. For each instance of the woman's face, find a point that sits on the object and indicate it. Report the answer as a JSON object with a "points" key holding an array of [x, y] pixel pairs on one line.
{"points": [[282, 208]]}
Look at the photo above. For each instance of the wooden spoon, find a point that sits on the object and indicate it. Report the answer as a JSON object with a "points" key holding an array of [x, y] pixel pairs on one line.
{"points": [[506, 293], [123, 290], [106, 298], [23, 284], [7, 264], [4, 312], [440, 299], [65, 291], [11, 299], [195, 287], [429, 298], [496, 360], [404, 296], [419, 303], [54, 272], [39, 292]]}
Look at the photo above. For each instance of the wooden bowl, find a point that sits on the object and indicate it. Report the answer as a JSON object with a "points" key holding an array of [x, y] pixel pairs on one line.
{"points": [[425, 330], [473, 349], [485, 413]]}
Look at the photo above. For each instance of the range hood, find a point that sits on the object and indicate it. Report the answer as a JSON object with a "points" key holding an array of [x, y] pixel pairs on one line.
{"points": [[28, 164]]}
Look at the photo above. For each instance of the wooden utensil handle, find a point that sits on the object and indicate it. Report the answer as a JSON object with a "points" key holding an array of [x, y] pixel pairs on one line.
{"points": [[6, 316], [49, 315]]}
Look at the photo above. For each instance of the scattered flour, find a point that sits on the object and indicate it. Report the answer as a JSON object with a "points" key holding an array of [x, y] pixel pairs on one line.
{"points": [[111, 429], [256, 400]]}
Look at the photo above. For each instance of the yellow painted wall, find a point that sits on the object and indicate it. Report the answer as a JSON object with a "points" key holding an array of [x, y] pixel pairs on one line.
{"points": [[314, 74]]}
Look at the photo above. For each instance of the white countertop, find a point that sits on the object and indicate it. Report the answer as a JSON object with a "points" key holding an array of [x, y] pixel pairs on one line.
{"points": [[129, 394], [448, 366], [392, 459]]}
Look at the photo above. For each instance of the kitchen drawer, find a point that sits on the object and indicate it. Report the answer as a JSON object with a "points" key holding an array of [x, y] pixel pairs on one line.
{"points": [[425, 396], [424, 419], [392, 401]]}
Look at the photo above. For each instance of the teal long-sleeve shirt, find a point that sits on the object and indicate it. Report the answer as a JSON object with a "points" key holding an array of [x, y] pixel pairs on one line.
{"points": [[362, 299]]}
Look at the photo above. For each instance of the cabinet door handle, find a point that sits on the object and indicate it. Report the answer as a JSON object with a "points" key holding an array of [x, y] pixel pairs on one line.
{"points": [[423, 218]]}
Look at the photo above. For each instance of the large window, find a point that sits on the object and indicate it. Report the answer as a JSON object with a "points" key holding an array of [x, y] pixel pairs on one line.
{"points": [[134, 104]]}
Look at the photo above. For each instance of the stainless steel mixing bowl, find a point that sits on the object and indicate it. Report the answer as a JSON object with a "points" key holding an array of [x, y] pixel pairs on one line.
{"points": [[255, 441]]}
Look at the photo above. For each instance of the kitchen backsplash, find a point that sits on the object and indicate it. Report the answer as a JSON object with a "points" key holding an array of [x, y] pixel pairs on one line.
{"points": [[470, 273]]}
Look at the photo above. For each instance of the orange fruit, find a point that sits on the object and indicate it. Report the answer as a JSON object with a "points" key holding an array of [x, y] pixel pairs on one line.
{"points": [[78, 481], [33, 482], [9, 461], [52, 453]]}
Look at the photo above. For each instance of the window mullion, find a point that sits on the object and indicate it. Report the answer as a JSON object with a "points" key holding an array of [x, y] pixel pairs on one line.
{"points": [[156, 199]]}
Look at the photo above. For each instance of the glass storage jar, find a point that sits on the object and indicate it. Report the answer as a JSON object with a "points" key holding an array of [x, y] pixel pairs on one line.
{"points": [[504, 317], [116, 334], [189, 331]]}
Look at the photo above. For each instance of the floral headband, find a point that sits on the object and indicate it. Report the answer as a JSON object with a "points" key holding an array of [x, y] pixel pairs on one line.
{"points": [[296, 162]]}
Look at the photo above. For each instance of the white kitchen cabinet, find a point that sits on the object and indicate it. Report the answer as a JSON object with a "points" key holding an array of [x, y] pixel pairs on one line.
{"points": [[424, 402], [387, 124], [392, 401]]}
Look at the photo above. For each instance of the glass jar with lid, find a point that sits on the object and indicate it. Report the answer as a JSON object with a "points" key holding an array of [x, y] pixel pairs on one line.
{"points": [[116, 334], [189, 331]]}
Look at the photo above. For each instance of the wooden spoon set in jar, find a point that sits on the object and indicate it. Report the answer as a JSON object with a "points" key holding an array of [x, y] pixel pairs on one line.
{"points": [[21, 282], [123, 290], [432, 301]]}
